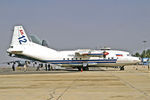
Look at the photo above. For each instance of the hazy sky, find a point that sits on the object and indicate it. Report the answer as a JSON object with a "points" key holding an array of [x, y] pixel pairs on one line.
{"points": [[72, 24]]}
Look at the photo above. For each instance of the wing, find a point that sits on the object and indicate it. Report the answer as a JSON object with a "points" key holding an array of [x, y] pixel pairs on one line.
{"points": [[89, 53]]}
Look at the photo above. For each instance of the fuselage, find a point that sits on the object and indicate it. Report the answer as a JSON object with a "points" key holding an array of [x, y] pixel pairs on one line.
{"points": [[71, 59]]}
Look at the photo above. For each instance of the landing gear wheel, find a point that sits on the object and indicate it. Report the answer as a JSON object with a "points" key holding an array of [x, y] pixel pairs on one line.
{"points": [[85, 68], [122, 68], [79, 68]]}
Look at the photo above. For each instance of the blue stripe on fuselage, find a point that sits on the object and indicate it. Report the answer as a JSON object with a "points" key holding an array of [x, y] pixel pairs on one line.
{"points": [[81, 61], [95, 54]]}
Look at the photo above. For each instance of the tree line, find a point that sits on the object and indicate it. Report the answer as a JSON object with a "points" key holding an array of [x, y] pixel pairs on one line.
{"points": [[144, 54]]}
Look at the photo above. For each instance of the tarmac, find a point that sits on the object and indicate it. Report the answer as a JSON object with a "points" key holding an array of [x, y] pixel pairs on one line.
{"points": [[105, 84]]}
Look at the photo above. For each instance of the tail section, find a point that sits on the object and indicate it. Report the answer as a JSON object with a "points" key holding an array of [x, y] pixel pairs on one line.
{"points": [[22, 47], [19, 36]]}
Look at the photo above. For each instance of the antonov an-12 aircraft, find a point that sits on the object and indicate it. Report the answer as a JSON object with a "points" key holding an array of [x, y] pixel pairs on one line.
{"points": [[22, 46]]}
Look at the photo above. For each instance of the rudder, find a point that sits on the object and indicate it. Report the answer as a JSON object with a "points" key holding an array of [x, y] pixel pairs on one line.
{"points": [[19, 36]]}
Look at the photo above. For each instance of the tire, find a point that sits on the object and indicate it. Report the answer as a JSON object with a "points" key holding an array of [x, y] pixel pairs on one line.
{"points": [[122, 68], [86, 68], [79, 68]]}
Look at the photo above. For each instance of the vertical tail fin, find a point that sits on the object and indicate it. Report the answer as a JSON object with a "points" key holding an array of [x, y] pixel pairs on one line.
{"points": [[19, 36]]}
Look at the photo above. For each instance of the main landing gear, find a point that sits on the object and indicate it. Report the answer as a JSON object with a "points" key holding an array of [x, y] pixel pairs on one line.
{"points": [[86, 68], [83, 68]]}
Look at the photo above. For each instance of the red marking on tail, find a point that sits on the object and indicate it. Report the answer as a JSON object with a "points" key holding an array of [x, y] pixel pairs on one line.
{"points": [[21, 31]]}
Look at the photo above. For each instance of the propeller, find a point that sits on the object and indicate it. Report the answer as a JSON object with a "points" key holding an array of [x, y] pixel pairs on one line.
{"points": [[105, 54]]}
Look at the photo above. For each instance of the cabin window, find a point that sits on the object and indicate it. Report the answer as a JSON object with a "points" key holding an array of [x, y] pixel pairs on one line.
{"points": [[72, 58], [76, 58], [63, 58], [67, 58], [11, 46], [112, 57], [80, 58]]}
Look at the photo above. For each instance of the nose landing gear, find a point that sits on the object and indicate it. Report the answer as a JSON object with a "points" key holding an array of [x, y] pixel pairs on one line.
{"points": [[121, 67]]}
